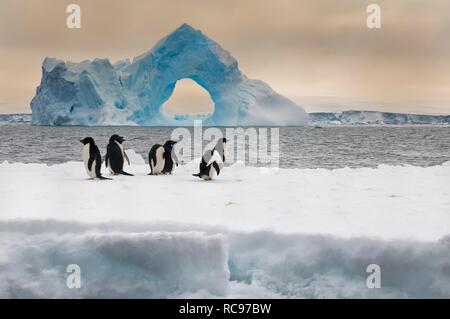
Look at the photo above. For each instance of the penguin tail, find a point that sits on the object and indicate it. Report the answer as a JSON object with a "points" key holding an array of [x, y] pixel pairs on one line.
{"points": [[196, 175], [104, 178], [125, 173]]}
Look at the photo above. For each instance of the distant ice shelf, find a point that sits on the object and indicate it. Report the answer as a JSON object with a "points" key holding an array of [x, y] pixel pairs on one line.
{"points": [[315, 119], [132, 93], [15, 118], [374, 118]]}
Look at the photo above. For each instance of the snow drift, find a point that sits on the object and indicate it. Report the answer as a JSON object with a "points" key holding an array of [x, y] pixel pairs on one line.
{"points": [[100, 93], [145, 260], [113, 265]]}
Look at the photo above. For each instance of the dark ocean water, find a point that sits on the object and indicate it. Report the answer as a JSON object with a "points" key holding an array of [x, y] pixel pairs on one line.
{"points": [[329, 147]]}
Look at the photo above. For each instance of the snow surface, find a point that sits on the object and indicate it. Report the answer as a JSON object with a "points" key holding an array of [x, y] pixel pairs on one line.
{"points": [[100, 93], [253, 232], [387, 202]]}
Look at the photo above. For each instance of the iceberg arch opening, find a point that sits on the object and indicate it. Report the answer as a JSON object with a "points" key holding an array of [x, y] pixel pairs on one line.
{"points": [[187, 98]]}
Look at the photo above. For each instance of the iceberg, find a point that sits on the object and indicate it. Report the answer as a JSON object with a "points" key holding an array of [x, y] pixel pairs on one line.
{"points": [[133, 92]]}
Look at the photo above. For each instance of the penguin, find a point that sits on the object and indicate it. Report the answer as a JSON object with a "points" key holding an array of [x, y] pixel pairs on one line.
{"points": [[170, 157], [115, 156], [161, 159], [212, 161], [92, 158]]}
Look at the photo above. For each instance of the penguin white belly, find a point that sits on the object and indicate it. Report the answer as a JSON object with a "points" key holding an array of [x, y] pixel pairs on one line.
{"points": [[160, 161], [173, 165], [216, 158], [212, 172], [86, 155]]}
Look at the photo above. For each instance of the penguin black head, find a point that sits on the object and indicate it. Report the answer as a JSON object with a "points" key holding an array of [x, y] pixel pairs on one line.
{"points": [[117, 138], [87, 140], [170, 143], [221, 141]]}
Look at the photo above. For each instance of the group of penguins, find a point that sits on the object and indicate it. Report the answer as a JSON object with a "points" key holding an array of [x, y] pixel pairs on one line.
{"points": [[162, 159]]}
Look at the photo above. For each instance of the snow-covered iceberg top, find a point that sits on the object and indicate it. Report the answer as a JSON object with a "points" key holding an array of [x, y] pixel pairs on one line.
{"points": [[132, 93]]}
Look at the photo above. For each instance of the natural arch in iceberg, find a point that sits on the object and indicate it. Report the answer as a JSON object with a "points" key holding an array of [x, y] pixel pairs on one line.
{"points": [[97, 92]]}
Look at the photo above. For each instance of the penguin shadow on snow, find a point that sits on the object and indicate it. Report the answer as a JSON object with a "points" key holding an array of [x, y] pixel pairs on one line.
{"points": [[214, 181]]}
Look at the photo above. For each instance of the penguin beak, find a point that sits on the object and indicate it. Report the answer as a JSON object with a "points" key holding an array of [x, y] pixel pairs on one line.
{"points": [[81, 141]]}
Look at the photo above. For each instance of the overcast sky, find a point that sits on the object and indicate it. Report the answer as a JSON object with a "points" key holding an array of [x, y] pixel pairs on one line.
{"points": [[319, 53]]}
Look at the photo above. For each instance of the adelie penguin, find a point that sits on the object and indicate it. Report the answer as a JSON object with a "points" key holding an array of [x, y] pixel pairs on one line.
{"points": [[212, 161], [116, 156], [161, 158], [92, 158]]}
